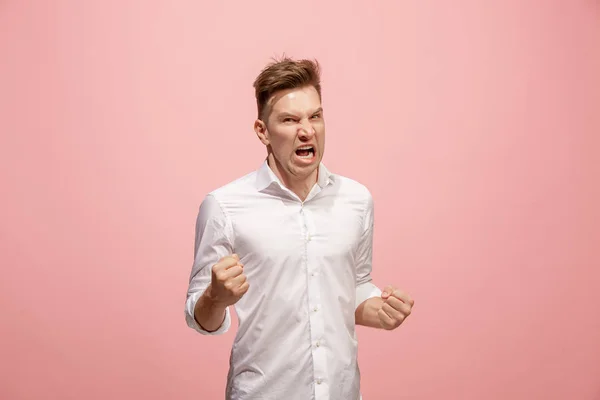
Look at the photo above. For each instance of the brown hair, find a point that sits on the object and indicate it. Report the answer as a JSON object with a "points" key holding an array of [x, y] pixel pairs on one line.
{"points": [[282, 75]]}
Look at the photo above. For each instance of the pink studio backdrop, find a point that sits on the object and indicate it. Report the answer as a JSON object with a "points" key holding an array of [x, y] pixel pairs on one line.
{"points": [[475, 125]]}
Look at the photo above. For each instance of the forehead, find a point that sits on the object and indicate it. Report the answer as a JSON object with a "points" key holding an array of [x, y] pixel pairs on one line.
{"points": [[295, 100]]}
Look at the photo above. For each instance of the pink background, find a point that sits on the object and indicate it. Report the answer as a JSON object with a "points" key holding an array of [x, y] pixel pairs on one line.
{"points": [[476, 125]]}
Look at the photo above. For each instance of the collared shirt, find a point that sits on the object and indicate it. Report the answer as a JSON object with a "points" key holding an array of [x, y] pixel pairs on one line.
{"points": [[308, 264]]}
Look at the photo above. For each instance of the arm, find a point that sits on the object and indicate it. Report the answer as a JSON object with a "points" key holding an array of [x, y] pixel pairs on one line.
{"points": [[375, 309], [368, 296], [212, 243], [228, 285]]}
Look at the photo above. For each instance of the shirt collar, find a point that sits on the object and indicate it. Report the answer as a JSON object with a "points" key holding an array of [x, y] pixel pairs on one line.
{"points": [[265, 177]]}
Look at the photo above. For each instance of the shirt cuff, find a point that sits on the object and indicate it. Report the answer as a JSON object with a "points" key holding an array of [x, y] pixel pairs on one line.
{"points": [[190, 305], [366, 291]]}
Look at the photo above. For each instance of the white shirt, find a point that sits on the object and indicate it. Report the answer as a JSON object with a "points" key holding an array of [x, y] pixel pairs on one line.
{"points": [[308, 265]]}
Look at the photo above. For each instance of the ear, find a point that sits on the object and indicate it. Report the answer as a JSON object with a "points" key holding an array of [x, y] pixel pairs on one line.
{"points": [[261, 131]]}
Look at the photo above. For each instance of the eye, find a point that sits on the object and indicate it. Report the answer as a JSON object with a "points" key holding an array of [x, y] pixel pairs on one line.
{"points": [[288, 119], [316, 116]]}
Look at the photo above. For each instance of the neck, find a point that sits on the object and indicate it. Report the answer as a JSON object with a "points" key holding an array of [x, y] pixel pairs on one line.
{"points": [[300, 185]]}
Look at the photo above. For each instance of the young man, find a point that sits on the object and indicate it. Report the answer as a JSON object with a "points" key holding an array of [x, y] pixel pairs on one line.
{"points": [[289, 246]]}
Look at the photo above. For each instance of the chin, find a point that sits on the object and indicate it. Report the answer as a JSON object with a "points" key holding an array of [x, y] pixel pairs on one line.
{"points": [[304, 171]]}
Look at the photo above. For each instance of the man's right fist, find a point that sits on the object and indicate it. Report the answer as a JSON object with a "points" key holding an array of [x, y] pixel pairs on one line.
{"points": [[228, 283]]}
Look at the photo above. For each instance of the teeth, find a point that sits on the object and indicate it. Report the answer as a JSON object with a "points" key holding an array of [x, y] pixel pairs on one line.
{"points": [[304, 147]]}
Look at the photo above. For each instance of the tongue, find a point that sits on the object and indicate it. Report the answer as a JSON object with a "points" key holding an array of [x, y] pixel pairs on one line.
{"points": [[302, 153]]}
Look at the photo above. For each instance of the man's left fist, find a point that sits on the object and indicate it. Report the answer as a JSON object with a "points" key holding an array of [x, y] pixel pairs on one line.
{"points": [[397, 305]]}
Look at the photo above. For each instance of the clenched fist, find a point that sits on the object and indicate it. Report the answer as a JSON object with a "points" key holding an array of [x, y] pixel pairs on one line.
{"points": [[397, 305], [228, 283]]}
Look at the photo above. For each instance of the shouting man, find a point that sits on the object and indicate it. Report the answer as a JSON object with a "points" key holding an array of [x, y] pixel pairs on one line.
{"points": [[289, 246]]}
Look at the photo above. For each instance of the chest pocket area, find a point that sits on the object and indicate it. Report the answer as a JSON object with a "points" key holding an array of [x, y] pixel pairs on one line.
{"points": [[335, 234], [267, 234]]}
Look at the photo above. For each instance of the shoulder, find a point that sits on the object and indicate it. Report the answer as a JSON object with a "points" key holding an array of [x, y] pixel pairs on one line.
{"points": [[239, 187], [214, 201], [353, 189]]}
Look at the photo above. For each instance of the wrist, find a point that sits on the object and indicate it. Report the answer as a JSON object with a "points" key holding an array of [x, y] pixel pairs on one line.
{"points": [[208, 313], [211, 301]]}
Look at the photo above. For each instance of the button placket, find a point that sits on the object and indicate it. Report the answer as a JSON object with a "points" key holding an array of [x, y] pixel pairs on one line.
{"points": [[317, 319]]}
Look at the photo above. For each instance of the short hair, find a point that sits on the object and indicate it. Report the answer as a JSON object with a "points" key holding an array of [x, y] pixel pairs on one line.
{"points": [[285, 74]]}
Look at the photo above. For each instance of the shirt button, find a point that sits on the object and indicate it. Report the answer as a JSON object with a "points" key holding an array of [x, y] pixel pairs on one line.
{"points": [[319, 381], [316, 309], [318, 344], [308, 238]]}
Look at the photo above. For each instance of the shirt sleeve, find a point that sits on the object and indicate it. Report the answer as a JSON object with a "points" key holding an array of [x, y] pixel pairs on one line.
{"points": [[212, 242], [365, 289]]}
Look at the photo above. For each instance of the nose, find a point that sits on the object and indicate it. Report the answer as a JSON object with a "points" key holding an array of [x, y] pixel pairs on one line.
{"points": [[306, 129]]}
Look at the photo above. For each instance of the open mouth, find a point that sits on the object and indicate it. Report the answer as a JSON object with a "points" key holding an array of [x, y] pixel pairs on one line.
{"points": [[306, 152]]}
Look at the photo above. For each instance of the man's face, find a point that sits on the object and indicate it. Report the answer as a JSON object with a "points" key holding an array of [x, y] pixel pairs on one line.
{"points": [[295, 131]]}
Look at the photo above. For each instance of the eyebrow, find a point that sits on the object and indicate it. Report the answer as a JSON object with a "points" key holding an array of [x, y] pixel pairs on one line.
{"points": [[287, 114]]}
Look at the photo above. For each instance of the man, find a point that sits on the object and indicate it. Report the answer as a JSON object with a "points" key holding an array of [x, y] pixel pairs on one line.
{"points": [[289, 246]]}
